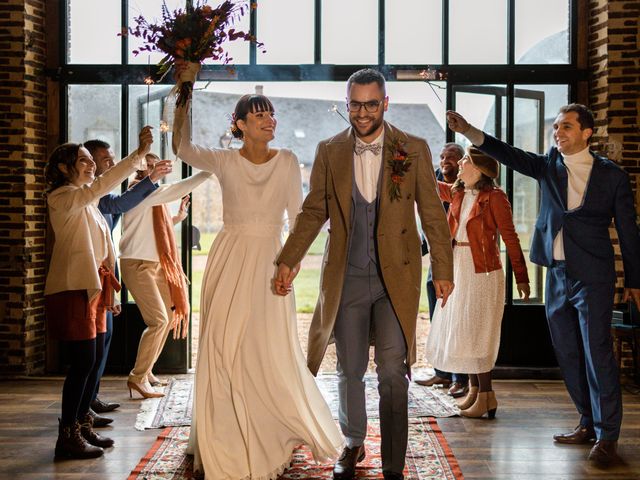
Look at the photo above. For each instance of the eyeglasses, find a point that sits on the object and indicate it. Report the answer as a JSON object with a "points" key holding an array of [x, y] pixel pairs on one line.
{"points": [[370, 107]]}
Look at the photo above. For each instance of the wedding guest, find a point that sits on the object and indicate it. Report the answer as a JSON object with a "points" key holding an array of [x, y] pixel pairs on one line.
{"points": [[368, 181], [465, 333], [112, 206], [450, 155], [80, 282], [254, 399], [152, 270], [581, 193]]}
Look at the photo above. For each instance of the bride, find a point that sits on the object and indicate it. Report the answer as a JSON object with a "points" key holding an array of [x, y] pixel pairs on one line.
{"points": [[255, 399]]}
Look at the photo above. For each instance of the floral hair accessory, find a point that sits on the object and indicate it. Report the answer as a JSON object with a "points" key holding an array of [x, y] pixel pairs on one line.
{"points": [[399, 164]]}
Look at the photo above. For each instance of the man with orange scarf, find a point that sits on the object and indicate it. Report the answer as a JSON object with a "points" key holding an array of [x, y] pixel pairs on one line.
{"points": [[153, 273]]}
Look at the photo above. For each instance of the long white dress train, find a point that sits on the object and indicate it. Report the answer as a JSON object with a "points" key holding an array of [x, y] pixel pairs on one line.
{"points": [[255, 399]]}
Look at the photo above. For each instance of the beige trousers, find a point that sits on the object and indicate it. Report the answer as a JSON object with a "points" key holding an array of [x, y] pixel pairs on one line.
{"points": [[146, 282]]}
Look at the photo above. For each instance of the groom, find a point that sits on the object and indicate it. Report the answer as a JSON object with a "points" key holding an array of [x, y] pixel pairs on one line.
{"points": [[367, 181]]}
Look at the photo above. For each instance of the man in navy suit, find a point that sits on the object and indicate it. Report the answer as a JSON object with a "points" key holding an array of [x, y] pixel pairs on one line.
{"points": [[112, 207], [581, 193]]}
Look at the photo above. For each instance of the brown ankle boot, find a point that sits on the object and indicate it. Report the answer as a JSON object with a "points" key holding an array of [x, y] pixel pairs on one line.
{"points": [[86, 429], [485, 403], [70, 443], [469, 400]]}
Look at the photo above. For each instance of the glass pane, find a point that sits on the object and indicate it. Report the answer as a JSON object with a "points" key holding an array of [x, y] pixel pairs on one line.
{"points": [[483, 108], [286, 27], [542, 31], [413, 32], [93, 37], [535, 109], [350, 31], [94, 113], [478, 32], [146, 104]]}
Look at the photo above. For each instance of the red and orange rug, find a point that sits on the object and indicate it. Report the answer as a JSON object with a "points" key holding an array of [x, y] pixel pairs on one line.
{"points": [[428, 457]]}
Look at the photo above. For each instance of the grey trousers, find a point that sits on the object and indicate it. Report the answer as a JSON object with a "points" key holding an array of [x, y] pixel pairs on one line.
{"points": [[365, 306]]}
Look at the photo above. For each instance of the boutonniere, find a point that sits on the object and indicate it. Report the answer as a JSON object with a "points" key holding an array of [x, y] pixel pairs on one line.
{"points": [[399, 163]]}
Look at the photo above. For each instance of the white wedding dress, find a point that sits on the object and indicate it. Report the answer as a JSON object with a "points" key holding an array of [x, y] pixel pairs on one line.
{"points": [[255, 400]]}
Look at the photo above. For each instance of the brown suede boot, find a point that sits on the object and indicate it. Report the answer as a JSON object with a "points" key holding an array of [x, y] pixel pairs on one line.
{"points": [[485, 403], [469, 400], [70, 443], [86, 429]]}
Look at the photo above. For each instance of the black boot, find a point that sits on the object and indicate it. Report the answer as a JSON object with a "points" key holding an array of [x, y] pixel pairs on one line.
{"points": [[70, 443], [86, 429]]}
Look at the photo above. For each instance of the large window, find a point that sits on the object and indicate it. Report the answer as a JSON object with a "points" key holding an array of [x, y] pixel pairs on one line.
{"points": [[505, 64]]}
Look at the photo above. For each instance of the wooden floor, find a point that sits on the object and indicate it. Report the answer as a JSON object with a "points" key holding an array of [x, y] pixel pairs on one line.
{"points": [[516, 445]]}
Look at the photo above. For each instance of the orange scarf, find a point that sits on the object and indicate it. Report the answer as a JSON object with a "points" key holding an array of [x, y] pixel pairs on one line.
{"points": [[172, 267]]}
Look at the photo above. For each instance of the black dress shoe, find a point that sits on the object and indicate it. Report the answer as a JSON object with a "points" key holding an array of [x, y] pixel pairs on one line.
{"points": [[392, 476], [604, 453], [99, 406], [98, 420], [579, 436], [458, 390], [345, 467]]}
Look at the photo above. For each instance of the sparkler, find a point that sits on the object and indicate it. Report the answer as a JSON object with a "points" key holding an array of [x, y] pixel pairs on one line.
{"points": [[148, 82], [334, 109], [432, 74]]}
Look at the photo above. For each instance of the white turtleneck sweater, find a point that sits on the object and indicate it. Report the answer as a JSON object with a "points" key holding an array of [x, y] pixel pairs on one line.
{"points": [[579, 167]]}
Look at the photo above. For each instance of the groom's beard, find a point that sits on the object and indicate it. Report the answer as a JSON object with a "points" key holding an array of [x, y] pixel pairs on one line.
{"points": [[364, 131]]}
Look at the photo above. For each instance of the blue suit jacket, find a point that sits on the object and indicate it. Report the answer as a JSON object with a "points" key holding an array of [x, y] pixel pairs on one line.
{"points": [[587, 245], [113, 206]]}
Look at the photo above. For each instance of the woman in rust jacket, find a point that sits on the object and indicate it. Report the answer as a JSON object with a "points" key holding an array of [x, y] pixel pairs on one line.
{"points": [[465, 333]]}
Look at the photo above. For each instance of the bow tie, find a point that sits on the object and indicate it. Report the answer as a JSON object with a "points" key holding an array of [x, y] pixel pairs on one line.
{"points": [[361, 147]]}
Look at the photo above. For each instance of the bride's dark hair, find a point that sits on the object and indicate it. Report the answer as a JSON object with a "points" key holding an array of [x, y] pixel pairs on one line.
{"points": [[250, 103]]}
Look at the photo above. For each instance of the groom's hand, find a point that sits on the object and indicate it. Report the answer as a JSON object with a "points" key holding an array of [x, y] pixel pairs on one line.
{"points": [[443, 290]]}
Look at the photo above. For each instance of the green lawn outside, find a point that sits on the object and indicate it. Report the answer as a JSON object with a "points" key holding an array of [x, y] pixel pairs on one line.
{"points": [[306, 284]]}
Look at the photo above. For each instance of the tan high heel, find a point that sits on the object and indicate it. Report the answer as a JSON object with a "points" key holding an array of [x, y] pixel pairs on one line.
{"points": [[140, 388], [485, 403], [469, 400]]}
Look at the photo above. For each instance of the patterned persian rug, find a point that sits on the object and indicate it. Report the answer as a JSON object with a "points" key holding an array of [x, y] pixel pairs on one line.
{"points": [[428, 457], [174, 409], [423, 401]]}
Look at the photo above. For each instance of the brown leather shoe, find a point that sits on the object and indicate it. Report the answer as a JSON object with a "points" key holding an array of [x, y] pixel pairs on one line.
{"points": [[604, 453], [579, 436], [345, 467], [457, 390], [435, 380]]}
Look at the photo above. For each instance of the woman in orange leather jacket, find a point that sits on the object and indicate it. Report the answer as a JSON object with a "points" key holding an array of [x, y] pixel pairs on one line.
{"points": [[465, 333]]}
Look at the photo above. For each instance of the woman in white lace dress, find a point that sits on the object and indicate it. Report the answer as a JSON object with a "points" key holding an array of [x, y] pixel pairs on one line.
{"points": [[465, 333], [255, 399]]}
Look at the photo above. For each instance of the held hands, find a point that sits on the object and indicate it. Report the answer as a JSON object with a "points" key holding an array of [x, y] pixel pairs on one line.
{"points": [[443, 290], [524, 290], [457, 122], [632, 294], [284, 279], [161, 169], [145, 139]]}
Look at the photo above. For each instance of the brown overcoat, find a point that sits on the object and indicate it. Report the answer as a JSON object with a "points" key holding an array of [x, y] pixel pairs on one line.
{"points": [[397, 234]]}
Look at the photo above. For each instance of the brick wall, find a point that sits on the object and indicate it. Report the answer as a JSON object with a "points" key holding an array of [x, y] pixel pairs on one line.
{"points": [[614, 94], [23, 124]]}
